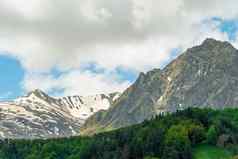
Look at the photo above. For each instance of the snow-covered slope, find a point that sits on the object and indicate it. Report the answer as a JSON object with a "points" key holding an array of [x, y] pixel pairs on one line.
{"points": [[38, 115], [84, 107]]}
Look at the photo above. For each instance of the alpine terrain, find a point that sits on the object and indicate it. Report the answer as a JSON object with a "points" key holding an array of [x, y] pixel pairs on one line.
{"points": [[38, 115], [203, 76]]}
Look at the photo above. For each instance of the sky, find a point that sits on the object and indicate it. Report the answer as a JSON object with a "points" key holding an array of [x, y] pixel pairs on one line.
{"points": [[85, 47]]}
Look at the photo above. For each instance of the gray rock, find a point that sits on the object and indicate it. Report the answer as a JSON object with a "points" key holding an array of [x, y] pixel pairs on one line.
{"points": [[203, 76]]}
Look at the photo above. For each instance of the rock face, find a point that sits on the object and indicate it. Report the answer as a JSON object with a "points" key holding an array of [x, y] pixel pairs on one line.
{"points": [[38, 115], [203, 76]]}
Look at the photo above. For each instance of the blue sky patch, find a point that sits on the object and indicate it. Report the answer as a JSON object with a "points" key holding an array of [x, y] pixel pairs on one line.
{"points": [[228, 26], [126, 74], [12, 75], [92, 67]]}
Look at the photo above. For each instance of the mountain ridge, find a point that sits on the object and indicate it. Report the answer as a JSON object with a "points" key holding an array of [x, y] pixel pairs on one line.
{"points": [[38, 115], [204, 75]]}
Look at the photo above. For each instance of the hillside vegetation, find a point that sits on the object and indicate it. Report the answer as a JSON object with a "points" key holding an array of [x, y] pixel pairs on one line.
{"points": [[191, 133], [211, 152]]}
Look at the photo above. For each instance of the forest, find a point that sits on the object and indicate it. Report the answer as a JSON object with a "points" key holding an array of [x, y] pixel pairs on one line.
{"points": [[178, 135]]}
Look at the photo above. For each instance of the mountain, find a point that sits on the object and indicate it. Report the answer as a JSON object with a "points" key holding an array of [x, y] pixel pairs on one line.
{"points": [[38, 115], [188, 134], [203, 76]]}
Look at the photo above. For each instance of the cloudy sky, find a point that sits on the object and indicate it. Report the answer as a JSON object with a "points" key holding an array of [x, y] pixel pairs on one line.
{"points": [[99, 46]]}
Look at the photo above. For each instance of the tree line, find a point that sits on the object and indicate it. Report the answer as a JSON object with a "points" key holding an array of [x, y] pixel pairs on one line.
{"points": [[172, 136]]}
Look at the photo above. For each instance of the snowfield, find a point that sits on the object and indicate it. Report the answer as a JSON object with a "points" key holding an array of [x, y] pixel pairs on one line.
{"points": [[38, 115]]}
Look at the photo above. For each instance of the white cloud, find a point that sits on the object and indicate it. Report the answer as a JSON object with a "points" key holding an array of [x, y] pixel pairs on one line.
{"points": [[76, 83], [133, 34]]}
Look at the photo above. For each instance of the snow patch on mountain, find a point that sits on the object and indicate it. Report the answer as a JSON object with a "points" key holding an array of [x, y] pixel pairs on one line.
{"points": [[84, 107], [38, 115]]}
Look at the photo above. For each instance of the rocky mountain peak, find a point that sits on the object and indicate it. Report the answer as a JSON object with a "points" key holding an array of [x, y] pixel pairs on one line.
{"points": [[210, 41], [213, 42], [203, 76], [37, 92], [211, 48]]}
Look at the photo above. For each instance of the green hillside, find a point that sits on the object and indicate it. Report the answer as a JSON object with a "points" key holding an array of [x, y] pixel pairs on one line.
{"points": [[173, 136], [211, 152]]}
